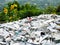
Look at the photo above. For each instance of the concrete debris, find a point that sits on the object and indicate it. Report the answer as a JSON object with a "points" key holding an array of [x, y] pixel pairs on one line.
{"points": [[40, 30]]}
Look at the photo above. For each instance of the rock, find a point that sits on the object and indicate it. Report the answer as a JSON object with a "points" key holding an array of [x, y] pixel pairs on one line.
{"points": [[17, 44]]}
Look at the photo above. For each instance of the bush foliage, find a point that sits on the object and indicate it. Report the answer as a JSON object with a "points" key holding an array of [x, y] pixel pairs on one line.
{"points": [[14, 11]]}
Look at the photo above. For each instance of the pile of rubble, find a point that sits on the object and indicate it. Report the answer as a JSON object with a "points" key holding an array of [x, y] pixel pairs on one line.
{"points": [[39, 30]]}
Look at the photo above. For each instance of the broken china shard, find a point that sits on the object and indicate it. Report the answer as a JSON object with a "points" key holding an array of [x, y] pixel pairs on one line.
{"points": [[37, 31]]}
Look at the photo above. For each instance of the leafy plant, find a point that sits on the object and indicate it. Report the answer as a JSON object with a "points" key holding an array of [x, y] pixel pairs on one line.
{"points": [[14, 11], [58, 10], [50, 10]]}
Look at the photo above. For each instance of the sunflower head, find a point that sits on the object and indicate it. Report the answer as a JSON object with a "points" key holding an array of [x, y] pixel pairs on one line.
{"points": [[5, 10], [12, 7]]}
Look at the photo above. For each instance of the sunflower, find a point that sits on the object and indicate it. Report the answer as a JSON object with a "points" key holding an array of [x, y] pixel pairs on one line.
{"points": [[5, 10], [15, 5], [12, 7]]}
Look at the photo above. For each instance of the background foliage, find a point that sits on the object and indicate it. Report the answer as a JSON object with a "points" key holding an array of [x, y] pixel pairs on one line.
{"points": [[14, 11]]}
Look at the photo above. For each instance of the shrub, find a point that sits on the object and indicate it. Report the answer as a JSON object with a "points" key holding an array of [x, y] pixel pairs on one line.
{"points": [[58, 10], [14, 11], [50, 10]]}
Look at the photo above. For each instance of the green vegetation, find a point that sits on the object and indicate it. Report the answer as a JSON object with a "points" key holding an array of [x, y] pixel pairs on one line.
{"points": [[14, 11], [58, 10], [50, 10]]}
